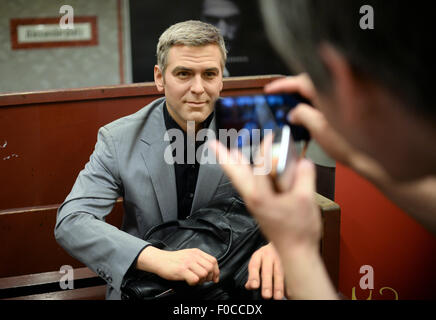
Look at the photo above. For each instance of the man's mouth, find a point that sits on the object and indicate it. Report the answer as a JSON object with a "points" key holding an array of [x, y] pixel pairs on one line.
{"points": [[196, 103]]}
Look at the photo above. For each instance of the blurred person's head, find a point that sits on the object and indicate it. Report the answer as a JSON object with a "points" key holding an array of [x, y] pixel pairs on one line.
{"points": [[373, 84]]}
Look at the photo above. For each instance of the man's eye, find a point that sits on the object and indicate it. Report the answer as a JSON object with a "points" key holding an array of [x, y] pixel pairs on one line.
{"points": [[210, 74], [182, 74]]}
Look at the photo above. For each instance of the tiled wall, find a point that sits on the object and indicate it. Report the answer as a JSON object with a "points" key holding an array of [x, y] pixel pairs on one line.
{"points": [[67, 67]]}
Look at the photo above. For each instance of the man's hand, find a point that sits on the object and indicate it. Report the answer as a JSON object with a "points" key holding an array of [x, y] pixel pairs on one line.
{"points": [[327, 137], [311, 118], [191, 265], [287, 219], [417, 198], [265, 270], [290, 220]]}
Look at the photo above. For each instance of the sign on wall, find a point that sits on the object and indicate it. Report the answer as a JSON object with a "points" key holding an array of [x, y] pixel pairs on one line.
{"points": [[33, 33]]}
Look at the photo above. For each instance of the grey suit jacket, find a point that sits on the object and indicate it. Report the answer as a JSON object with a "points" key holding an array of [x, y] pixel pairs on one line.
{"points": [[128, 161]]}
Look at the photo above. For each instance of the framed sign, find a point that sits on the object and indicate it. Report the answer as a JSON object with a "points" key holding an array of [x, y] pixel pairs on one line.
{"points": [[33, 33]]}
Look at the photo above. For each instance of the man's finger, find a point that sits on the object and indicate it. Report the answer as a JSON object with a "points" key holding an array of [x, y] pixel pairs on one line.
{"points": [[210, 264], [310, 118], [215, 271], [208, 257], [305, 178], [300, 84], [191, 278], [264, 167], [199, 271], [267, 277], [253, 281], [236, 167], [278, 281], [209, 267]]}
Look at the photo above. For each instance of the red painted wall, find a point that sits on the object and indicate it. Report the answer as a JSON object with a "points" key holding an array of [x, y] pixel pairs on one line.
{"points": [[377, 233]]}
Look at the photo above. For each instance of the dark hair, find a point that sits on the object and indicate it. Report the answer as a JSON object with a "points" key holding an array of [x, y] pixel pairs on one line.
{"points": [[396, 53]]}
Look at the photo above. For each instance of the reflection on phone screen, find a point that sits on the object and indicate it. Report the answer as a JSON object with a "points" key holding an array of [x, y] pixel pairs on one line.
{"points": [[257, 115]]}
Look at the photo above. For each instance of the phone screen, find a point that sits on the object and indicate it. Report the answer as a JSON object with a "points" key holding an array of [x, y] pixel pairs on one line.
{"points": [[259, 114], [252, 118]]}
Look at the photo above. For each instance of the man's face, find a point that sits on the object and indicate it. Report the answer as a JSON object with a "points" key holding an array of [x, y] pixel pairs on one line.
{"points": [[192, 82]]}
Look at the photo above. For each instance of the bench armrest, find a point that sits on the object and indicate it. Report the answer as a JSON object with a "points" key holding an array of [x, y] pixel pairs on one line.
{"points": [[330, 240]]}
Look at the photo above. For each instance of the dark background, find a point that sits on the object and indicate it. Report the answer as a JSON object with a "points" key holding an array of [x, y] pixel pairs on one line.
{"points": [[149, 19]]}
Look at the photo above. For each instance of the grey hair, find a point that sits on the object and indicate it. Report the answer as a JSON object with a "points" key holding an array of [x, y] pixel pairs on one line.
{"points": [[189, 33]]}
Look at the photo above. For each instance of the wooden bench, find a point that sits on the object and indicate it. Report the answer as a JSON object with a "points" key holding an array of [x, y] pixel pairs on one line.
{"points": [[88, 286], [46, 139], [46, 286]]}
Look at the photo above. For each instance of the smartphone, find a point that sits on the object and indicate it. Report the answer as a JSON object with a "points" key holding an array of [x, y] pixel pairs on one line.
{"points": [[262, 112], [255, 116], [284, 158]]}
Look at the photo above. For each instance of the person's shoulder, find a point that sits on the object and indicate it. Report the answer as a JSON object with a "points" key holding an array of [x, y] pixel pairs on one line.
{"points": [[134, 120]]}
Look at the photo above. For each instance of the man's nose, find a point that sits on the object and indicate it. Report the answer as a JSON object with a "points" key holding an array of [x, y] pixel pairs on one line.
{"points": [[197, 85]]}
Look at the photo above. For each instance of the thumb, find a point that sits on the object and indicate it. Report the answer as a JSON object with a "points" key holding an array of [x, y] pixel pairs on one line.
{"points": [[305, 178]]}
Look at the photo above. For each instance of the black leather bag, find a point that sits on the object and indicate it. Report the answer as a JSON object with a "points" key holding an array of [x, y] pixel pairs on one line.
{"points": [[225, 230]]}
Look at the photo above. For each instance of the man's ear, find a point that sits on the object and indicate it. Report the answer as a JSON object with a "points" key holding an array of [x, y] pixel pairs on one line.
{"points": [[159, 79], [351, 93]]}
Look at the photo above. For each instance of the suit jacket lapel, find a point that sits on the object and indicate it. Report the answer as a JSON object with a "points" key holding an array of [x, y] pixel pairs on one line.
{"points": [[161, 173]]}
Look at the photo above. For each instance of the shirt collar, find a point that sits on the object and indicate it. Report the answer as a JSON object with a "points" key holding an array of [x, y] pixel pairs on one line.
{"points": [[170, 123]]}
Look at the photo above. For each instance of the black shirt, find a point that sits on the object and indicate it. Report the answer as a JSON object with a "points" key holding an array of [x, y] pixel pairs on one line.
{"points": [[186, 173]]}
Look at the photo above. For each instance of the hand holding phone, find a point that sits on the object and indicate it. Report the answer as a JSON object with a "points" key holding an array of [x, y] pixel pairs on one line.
{"points": [[262, 113]]}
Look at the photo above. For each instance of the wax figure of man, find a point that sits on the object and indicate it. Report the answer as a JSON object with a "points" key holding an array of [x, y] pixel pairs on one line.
{"points": [[372, 89], [129, 162]]}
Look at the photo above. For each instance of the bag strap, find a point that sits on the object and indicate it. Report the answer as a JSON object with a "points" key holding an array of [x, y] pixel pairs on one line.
{"points": [[221, 233], [172, 223]]}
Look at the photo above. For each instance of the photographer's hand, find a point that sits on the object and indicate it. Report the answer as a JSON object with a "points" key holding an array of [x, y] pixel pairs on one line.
{"points": [[290, 220], [327, 137]]}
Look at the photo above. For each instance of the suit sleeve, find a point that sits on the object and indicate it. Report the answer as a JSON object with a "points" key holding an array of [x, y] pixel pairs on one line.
{"points": [[80, 226]]}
